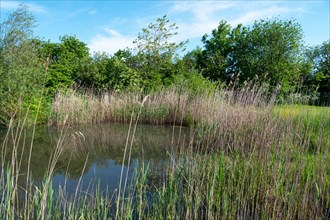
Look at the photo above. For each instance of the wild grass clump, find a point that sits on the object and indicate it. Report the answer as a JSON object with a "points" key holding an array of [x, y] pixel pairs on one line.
{"points": [[87, 108], [174, 105], [221, 186]]}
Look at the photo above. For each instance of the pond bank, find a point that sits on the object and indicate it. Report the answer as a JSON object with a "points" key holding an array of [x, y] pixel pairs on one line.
{"points": [[241, 159]]}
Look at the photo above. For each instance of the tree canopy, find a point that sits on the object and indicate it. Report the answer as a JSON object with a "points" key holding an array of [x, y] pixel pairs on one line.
{"points": [[22, 72], [156, 50], [270, 49]]}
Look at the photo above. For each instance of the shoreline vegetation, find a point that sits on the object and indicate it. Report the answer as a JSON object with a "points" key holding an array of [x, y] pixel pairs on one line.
{"points": [[246, 158], [176, 105]]}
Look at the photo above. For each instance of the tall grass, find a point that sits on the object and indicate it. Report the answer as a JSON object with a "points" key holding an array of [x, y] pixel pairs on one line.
{"points": [[246, 159], [174, 105], [86, 108]]}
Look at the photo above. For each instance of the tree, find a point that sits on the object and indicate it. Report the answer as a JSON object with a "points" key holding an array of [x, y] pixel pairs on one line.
{"points": [[219, 58], [96, 76], [22, 72], [122, 77], [270, 49], [273, 53], [111, 73], [322, 69], [192, 59], [319, 76], [69, 62], [155, 51]]}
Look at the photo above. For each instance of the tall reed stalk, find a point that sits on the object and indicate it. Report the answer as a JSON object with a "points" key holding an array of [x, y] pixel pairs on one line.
{"points": [[246, 158]]}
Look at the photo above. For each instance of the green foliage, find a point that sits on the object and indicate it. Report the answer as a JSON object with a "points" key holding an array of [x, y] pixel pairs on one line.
{"points": [[274, 50], [121, 76], [22, 72], [69, 61], [156, 52], [195, 82], [96, 76], [192, 60], [214, 60], [110, 73], [270, 49], [319, 76]]}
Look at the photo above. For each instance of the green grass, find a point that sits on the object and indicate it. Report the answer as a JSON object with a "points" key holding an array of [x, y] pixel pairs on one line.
{"points": [[312, 124]]}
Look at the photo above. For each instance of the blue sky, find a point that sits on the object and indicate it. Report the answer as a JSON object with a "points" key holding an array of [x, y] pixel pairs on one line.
{"points": [[112, 25]]}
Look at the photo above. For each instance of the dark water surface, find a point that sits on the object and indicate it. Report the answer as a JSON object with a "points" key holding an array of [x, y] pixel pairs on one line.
{"points": [[100, 147]]}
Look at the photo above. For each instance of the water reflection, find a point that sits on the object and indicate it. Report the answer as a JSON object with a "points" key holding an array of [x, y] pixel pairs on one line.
{"points": [[101, 147]]}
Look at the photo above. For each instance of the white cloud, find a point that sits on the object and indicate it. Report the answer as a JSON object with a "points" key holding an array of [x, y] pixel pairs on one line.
{"points": [[113, 32], [269, 12], [195, 30], [92, 12], [208, 14], [205, 17], [196, 18], [10, 5], [110, 43], [259, 14]]}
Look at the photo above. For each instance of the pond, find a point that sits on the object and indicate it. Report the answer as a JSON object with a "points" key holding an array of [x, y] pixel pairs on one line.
{"points": [[93, 155]]}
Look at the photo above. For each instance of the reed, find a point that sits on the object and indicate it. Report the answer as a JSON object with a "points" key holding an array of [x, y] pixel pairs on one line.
{"points": [[174, 105], [246, 158]]}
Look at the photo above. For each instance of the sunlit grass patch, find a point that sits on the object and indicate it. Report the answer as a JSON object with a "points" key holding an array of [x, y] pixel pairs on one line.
{"points": [[302, 111]]}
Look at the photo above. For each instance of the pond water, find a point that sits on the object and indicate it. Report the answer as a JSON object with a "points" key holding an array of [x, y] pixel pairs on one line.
{"points": [[98, 148]]}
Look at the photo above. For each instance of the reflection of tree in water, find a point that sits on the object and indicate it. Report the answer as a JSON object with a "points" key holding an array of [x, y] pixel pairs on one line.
{"points": [[98, 143], [43, 146]]}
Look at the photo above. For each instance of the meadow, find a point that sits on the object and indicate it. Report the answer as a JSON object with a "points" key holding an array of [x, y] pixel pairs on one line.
{"points": [[247, 157]]}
